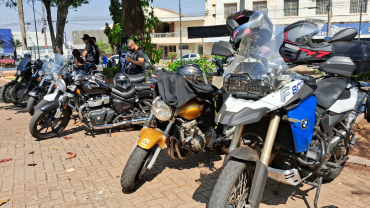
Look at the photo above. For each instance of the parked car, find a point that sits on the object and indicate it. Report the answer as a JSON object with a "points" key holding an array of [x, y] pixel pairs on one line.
{"points": [[188, 57]]}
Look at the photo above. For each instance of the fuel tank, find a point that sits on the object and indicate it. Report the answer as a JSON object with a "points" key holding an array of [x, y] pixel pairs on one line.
{"points": [[192, 109], [98, 88]]}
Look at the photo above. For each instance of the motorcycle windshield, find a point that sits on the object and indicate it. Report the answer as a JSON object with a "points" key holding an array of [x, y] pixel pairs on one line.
{"points": [[53, 67], [258, 54], [22, 65]]}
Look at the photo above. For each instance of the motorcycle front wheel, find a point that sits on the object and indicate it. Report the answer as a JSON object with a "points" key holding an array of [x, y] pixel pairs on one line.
{"points": [[42, 121], [18, 94], [5, 92], [135, 168], [31, 104], [233, 186]]}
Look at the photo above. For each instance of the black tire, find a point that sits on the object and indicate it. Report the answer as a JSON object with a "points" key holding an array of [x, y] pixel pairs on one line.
{"points": [[135, 168], [367, 113], [5, 92], [16, 92], [31, 104], [40, 116], [42, 102], [229, 177]]}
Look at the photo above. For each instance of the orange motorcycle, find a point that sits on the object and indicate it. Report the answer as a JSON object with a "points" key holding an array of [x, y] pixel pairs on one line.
{"points": [[182, 117]]}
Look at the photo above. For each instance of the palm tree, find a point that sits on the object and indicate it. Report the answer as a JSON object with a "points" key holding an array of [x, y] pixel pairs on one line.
{"points": [[11, 44], [104, 47]]}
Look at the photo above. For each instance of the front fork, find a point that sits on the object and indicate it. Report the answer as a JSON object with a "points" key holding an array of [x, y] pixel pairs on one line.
{"points": [[260, 174]]}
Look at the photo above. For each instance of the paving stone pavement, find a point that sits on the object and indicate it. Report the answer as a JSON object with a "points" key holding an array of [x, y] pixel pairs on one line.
{"points": [[99, 163]]}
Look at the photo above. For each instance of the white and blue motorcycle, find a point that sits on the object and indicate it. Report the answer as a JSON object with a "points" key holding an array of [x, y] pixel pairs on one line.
{"points": [[294, 130]]}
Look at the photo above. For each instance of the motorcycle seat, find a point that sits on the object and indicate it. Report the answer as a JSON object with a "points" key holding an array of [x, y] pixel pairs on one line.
{"points": [[126, 95], [141, 87], [330, 90], [135, 78]]}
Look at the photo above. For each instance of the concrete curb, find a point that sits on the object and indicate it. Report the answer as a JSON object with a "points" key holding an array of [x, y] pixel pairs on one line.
{"points": [[5, 80], [358, 160]]}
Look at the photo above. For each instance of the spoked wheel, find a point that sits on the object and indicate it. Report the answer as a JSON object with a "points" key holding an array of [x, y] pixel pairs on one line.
{"points": [[19, 95], [136, 167], [5, 92], [233, 186], [332, 173], [43, 125]]}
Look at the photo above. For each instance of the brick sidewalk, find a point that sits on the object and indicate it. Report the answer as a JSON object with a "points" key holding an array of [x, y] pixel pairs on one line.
{"points": [[99, 163]]}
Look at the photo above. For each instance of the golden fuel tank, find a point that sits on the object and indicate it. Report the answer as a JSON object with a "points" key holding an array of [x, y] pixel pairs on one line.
{"points": [[192, 109]]}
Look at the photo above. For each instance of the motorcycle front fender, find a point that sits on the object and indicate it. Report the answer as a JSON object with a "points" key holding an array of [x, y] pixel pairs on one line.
{"points": [[243, 153], [50, 97], [37, 91], [50, 105], [149, 137]]}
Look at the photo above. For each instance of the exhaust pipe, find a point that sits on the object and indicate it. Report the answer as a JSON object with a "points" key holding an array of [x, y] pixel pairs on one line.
{"points": [[132, 121]]}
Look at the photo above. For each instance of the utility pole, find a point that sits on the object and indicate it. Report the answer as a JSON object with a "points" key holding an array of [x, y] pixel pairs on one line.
{"points": [[180, 31], [242, 4], [34, 18], [359, 25], [329, 9], [21, 24], [44, 23]]}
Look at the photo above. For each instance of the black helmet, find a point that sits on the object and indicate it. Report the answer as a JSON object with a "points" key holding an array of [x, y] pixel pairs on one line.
{"points": [[192, 72], [122, 82]]}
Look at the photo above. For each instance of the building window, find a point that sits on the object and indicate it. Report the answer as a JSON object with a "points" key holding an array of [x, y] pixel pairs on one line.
{"points": [[185, 46], [258, 5], [321, 6], [229, 9], [356, 6], [291, 7]]}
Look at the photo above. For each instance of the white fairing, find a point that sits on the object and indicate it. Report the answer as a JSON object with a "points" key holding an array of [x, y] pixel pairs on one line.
{"points": [[341, 106], [271, 101]]}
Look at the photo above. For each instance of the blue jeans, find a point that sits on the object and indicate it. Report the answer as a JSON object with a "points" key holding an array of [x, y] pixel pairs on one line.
{"points": [[87, 67]]}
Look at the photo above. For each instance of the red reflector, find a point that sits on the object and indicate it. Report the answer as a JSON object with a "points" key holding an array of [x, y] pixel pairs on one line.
{"points": [[152, 87]]}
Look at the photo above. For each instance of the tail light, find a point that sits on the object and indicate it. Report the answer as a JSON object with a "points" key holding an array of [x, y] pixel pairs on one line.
{"points": [[152, 87]]}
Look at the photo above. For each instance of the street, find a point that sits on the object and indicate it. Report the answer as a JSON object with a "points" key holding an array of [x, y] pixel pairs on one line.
{"points": [[99, 161]]}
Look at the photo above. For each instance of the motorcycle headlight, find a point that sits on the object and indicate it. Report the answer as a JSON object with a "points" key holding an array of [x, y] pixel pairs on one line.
{"points": [[161, 110], [41, 73], [19, 72], [61, 84]]}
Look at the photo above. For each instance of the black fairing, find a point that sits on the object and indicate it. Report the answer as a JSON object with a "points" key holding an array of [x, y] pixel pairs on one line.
{"points": [[328, 91], [339, 65], [98, 88], [347, 34], [122, 105]]}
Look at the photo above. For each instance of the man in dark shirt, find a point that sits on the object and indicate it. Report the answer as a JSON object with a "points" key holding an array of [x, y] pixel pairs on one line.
{"points": [[97, 50], [137, 59], [89, 52]]}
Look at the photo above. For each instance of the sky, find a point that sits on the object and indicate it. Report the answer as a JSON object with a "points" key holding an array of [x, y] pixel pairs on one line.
{"points": [[90, 16]]}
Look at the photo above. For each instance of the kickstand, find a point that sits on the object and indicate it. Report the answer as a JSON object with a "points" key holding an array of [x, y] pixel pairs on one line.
{"points": [[276, 190], [110, 132], [210, 160], [318, 191]]}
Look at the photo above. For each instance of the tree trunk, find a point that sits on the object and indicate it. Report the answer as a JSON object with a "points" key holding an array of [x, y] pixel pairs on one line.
{"points": [[21, 24], [61, 22], [132, 18], [50, 23], [15, 55]]}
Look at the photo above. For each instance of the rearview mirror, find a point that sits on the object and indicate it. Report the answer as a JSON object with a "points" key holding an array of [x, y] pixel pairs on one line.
{"points": [[231, 25], [222, 48], [147, 66]]}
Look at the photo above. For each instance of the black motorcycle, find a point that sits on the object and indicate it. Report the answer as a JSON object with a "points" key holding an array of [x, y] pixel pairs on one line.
{"points": [[18, 94], [24, 73], [98, 105]]}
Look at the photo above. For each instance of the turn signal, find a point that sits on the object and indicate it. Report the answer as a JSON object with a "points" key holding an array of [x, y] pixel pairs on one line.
{"points": [[65, 106], [54, 86], [78, 91], [39, 79], [60, 76]]}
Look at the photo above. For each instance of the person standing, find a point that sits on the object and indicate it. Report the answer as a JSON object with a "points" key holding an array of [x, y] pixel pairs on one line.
{"points": [[89, 52], [97, 50], [105, 61], [137, 59]]}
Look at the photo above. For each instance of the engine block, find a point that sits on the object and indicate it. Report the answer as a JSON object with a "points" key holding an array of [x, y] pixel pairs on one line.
{"points": [[98, 100]]}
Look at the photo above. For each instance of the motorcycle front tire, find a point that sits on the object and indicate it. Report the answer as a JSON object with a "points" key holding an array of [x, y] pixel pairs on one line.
{"points": [[32, 101], [38, 115], [135, 168], [227, 180], [14, 90], [5, 92]]}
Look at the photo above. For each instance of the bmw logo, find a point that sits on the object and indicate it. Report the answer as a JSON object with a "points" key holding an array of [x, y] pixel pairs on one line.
{"points": [[304, 123]]}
